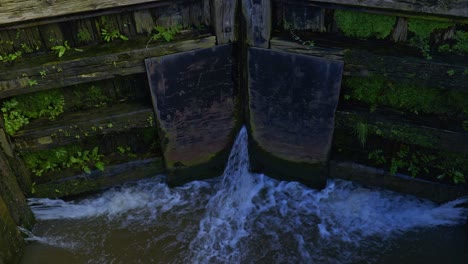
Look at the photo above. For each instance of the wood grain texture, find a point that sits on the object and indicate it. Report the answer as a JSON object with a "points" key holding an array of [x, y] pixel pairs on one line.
{"points": [[292, 103], [457, 8], [11, 242], [433, 138], [98, 180], [74, 127], [82, 67], [401, 68], [370, 176], [257, 15], [13, 11], [13, 196], [223, 13], [194, 98]]}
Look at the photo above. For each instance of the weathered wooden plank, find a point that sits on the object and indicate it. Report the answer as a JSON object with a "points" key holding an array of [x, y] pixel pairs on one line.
{"points": [[223, 16], [144, 22], [96, 63], [194, 98], [12, 194], [292, 100], [289, 46], [430, 73], [457, 8], [401, 183], [98, 180], [13, 11], [257, 15], [438, 72], [11, 242], [304, 18], [66, 129], [404, 131]]}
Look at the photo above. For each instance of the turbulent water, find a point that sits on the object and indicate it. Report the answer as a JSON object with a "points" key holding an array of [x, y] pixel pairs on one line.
{"points": [[247, 218]]}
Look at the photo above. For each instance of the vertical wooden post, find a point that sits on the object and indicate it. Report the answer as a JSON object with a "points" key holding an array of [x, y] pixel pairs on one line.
{"points": [[257, 14], [13, 195], [224, 20], [11, 243]]}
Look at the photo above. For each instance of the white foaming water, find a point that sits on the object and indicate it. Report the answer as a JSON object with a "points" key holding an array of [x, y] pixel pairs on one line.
{"points": [[242, 218]]}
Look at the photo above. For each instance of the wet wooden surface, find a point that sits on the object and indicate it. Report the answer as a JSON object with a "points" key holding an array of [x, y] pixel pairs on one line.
{"points": [[12, 11], [74, 127], [98, 180], [438, 72], [446, 8], [224, 20], [91, 65], [292, 102], [257, 15], [194, 98], [370, 176]]}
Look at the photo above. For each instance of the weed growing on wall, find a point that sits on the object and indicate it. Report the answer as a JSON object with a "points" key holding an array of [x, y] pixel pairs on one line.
{"points": [[460, 45], [160, 32], [418, 163], [84, 35], [363, 25], [108, 32], [11, 57], [422, 30], [62, 158], [111, 35], [19, 110]]}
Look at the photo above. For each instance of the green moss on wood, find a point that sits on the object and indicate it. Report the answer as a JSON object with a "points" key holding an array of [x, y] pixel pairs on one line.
{"points": [[64, 157], [377, 90], [18, 111], [364, 25], [422, 30]]}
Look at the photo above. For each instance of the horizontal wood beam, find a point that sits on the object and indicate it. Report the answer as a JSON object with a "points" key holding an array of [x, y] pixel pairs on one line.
{"points": [[405, 131], [363, 63], [98, 180], [370, 176], [14, 11], [456, 8], [95, 63], [74, 127]]}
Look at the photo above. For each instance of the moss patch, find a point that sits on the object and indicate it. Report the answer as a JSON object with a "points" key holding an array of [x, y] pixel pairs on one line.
{"points": [[422, 30], [19, 110], [377, 90], [363, 25]]}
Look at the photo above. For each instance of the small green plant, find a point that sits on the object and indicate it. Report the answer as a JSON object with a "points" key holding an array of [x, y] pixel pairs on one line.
{"points": [[26, 48], [61, 49], [65, 157], [465, 125], [361, 130], [461, 38], [451, 72], [111, 35], [422, 30], [164, 33], [32, 82], [377, 90], [377, 156], [19, 110], [84, 35], [43, 74], [364, 25], [11, 57]]}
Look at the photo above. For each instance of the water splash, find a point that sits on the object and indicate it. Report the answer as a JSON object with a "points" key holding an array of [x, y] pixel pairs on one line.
{"points": [[242, 218]]}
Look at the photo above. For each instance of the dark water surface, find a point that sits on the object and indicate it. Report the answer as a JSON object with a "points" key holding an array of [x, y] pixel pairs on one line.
{"points": [[247, 218]]}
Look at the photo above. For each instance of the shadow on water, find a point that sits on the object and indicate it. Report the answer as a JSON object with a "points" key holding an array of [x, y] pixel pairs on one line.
{"points": [[247, 218]]}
